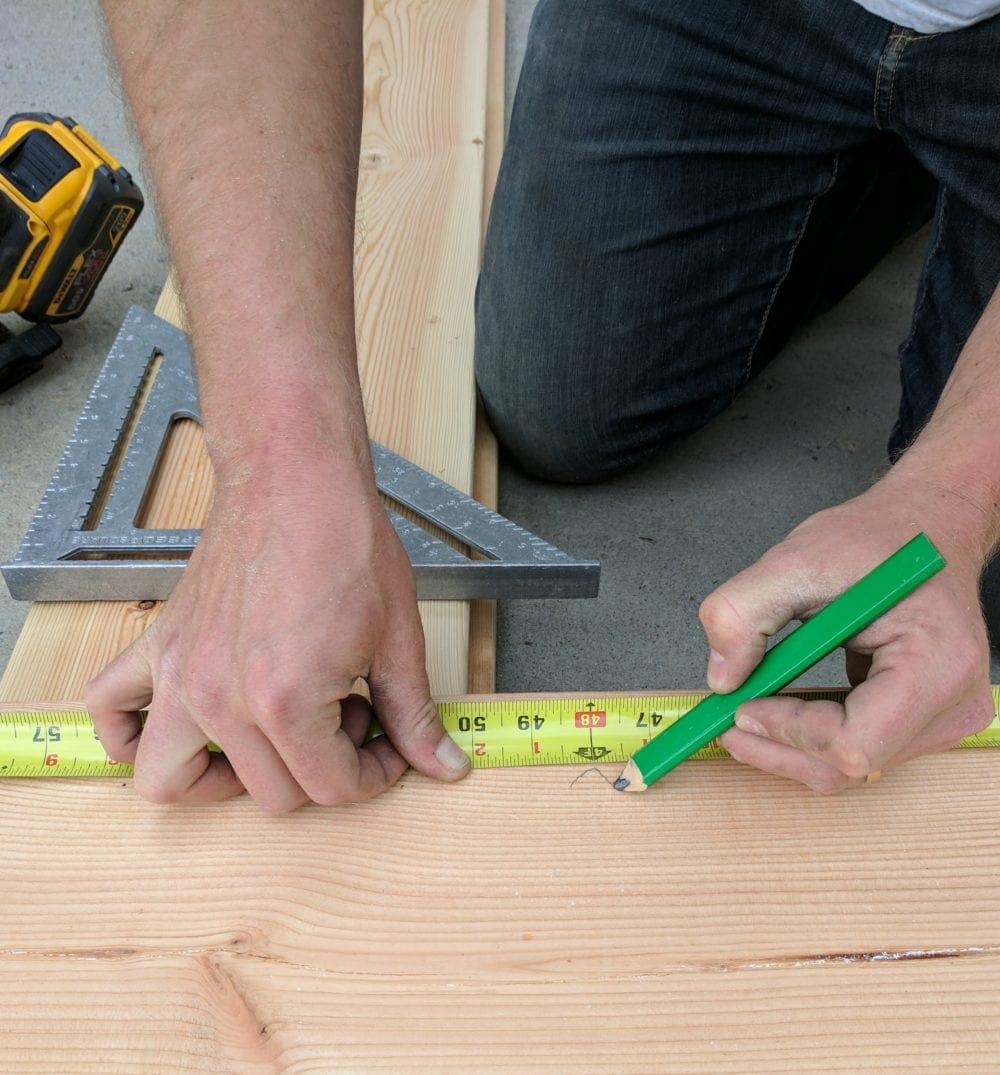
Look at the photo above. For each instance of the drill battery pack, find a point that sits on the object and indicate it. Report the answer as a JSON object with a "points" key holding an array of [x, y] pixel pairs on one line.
{"points": [[65, 206]]}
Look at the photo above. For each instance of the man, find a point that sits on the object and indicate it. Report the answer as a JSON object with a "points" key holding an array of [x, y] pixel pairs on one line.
{"points": [[684, 182]]}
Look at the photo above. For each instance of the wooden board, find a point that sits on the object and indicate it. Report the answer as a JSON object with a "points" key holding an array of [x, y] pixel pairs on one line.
{"points": [[525, 920]]}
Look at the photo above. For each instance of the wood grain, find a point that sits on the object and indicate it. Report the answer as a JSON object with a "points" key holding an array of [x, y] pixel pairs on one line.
{"points": [[219, 1012], [419, 219], [523, 920]]}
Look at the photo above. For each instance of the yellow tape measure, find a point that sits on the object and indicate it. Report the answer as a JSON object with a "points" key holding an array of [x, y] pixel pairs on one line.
{"points": [[495, 731]]}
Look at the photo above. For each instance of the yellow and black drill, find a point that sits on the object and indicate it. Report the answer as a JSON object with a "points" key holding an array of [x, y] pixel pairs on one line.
{"points": [[65, 206]]}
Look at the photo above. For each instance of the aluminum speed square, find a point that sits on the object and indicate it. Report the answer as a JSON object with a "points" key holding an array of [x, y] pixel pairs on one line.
{"points": [[76, 550]]}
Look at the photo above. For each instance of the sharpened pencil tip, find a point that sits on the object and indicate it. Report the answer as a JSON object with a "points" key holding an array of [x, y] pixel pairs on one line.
{"points": [[620, 784]]}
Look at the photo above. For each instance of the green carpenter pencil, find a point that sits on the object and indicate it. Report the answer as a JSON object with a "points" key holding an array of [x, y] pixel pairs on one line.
{"points": [[845, 616]]}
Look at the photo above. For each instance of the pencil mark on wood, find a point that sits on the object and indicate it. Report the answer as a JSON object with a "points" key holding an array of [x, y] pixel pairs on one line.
{"points": [[592, 769]]}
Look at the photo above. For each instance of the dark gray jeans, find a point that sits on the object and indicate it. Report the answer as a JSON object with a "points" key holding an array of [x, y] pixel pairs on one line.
{"points": [[686, 181]]}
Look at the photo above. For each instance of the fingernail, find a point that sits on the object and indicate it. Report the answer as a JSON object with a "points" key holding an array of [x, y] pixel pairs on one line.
{"points": [[451, 755], [716, 670], [748, 724]]}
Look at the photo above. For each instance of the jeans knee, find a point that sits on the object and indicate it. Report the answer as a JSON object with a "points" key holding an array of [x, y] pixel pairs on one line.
{"points": [[548, 448], [547, 420]]}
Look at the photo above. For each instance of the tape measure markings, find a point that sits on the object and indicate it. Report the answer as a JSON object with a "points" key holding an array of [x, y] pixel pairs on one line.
{"points": [[495, 732], [57, 743], [546, 731]]}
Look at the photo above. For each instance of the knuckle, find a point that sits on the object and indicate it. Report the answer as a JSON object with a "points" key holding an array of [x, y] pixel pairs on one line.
{"points": [[424, 723], [717, 614], [200, 682], [203, 694], [831, 783], [284, 803], [117, 744], [971, 719], [272, 704], [272, 693], [968, 661], [339, 785], [350, 783], [854, 762], [157, 788], [980, 715], [793, 728], [336, 794], [733, 741]]}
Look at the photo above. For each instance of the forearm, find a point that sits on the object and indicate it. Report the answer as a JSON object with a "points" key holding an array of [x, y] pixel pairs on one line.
{"points": [[957, 454], [250, 115]]}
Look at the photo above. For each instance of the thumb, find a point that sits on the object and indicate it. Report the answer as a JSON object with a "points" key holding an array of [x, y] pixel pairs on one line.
{"points": [[743, 613], [402, 702]]}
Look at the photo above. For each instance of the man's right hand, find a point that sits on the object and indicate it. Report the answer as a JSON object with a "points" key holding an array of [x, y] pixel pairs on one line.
{"points": [[297, 588]]}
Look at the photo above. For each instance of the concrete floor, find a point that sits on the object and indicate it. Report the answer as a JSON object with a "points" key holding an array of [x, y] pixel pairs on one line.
{"points": [[809, 433], [55, 61]]}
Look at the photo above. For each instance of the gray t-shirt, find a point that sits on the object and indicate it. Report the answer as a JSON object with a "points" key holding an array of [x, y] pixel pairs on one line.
{"points": [[932, 16]]}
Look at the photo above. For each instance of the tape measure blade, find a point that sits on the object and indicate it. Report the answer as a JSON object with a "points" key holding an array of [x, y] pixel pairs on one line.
{"points": [[495, 731], [47, 742], [558, 729]]}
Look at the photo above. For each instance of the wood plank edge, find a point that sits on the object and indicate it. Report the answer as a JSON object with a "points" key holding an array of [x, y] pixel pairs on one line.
{"points": [[485, 481]]}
